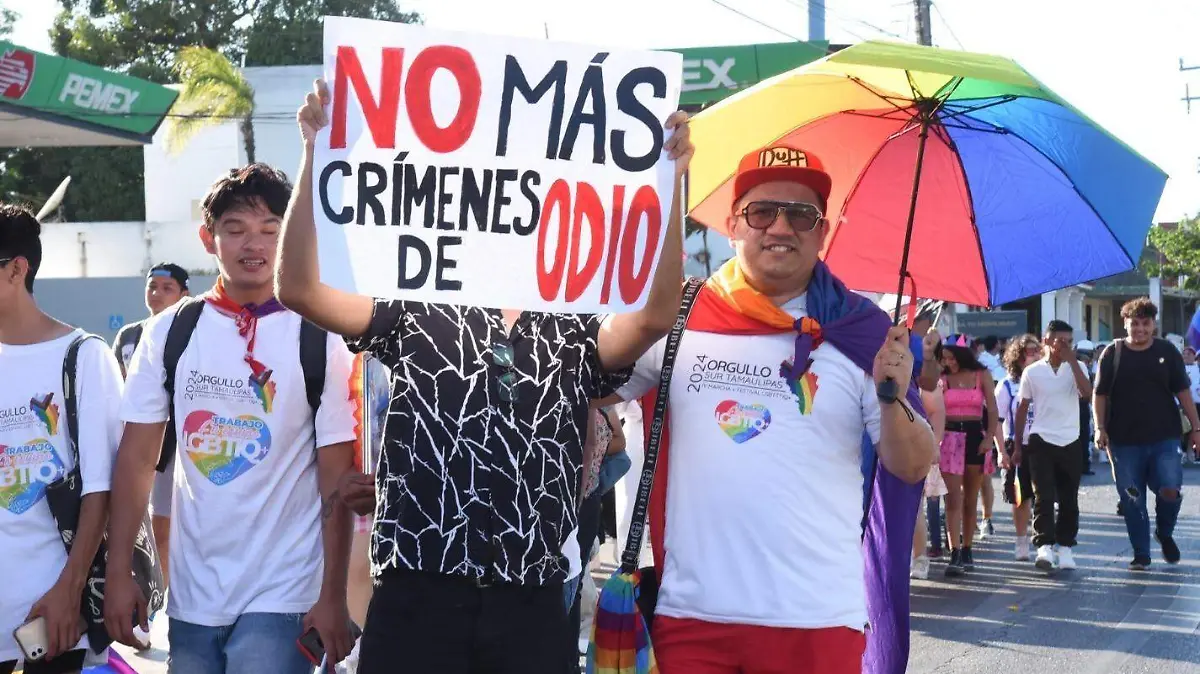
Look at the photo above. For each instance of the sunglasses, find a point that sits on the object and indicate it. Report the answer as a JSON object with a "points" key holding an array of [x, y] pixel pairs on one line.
{"points": [[6, 260], [503, 357], [802, 216]]}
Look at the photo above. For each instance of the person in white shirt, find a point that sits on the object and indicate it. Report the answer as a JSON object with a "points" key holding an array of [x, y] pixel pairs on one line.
{"points": [[41, 581], [764, 483], [260, 540], [1054, 385], [1022, 352]]}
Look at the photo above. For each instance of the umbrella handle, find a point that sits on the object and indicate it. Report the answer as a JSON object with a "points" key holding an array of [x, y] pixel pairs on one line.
{"points": [[888, 391]]}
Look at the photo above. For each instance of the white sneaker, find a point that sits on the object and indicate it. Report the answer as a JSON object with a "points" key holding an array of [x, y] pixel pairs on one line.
{"points": [[1045, 558], [1066, 560], [1022, 549], [920, 568]]}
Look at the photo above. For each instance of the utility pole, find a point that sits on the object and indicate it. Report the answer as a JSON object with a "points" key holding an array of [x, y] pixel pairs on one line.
{"points": [[1187, 92], [816, 20], [924, 36]]}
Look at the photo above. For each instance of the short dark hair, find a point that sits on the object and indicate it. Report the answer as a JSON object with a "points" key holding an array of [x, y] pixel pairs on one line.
{"points": [[20, 236], [1141, 307], [990, 343], [171, 270], [1059, 326], [245, 187]]}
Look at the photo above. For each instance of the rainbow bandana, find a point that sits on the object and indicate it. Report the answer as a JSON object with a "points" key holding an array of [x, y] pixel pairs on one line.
{"points": [[857, 327], [246, 317]]}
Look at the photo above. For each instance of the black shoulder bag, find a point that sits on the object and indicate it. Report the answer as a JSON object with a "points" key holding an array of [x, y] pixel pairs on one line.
{"points": [[64, 496]]}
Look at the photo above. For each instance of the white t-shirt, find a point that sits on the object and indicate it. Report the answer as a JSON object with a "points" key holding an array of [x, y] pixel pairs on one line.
{"points": [[34, 452], [1193, 373], [1057, 398], [764, 508], [992, 362], [1007, 400], [245, 524]]}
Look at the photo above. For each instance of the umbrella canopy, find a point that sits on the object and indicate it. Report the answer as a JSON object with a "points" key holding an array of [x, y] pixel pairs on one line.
{"points": [[1019, 192]]}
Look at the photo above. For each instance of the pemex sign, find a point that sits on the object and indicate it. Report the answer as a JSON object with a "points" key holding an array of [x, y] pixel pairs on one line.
{"points": [[53, 86], [16, 72]]}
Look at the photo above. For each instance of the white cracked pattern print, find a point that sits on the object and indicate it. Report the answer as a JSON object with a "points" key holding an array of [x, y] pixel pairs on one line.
{"points": [[474, 481]]}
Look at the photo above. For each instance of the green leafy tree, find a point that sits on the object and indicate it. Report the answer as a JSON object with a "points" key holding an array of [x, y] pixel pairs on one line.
{"points": [[213, 91], [8, 19], [288, 32], [142, 38], [1179, 251]]}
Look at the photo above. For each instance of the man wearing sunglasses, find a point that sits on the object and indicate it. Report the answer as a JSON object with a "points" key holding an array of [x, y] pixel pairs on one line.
{"points": [[758, 501], [480, 475]]}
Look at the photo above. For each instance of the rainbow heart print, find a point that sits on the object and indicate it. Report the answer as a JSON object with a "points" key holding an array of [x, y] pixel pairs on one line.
{"points": [[25, 471], [225, 448], [742, 422]]}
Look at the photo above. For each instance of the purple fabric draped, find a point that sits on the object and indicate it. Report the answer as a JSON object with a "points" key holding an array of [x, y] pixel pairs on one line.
{"points": [[857, 328]]}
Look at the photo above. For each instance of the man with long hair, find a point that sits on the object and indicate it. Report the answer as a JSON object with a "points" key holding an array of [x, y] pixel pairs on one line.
{"points": [[1022, 352]]}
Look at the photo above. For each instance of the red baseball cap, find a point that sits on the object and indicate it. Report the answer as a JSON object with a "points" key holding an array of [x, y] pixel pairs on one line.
{"points": [[781, 162]]}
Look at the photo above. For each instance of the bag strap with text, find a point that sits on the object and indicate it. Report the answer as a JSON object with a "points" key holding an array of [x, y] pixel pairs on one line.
{"points": [[637, 528]]}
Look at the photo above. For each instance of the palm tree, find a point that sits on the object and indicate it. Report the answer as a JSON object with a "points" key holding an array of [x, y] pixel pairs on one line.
{"points": [[213, 90]]}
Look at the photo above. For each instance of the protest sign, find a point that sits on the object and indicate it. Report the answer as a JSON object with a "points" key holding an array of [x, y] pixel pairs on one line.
{"points": [[492, 171]]}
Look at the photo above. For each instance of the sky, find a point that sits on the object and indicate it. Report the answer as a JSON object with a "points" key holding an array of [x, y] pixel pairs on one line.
{"points": [[1117, 61]]}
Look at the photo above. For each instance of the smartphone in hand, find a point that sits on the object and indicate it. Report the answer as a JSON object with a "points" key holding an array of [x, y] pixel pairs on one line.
{"points": [[33, 639], [310, 644]]}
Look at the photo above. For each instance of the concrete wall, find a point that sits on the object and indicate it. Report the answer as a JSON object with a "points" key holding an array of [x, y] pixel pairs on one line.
{"points": [[117, 249], [100, 305]]}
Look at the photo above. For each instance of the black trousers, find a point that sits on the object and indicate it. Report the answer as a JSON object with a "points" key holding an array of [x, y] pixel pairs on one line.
{"points": [[67, 663], [1056, 472], [428, 623]]}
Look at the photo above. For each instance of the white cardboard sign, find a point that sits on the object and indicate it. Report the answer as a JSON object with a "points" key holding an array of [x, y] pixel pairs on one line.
{"points": [[492, 171]]}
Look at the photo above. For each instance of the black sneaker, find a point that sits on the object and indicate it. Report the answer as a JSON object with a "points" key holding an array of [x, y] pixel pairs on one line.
{"points": [[968, 560], [988, 529], [1169, 549], [1139, 564], [954, 567]]}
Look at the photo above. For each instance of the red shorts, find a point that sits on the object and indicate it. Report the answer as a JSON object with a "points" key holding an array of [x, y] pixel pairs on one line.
{"points": [[685, 646]]}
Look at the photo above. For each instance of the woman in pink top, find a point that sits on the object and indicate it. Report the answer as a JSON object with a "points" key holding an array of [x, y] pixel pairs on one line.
{"points": [[966, 447]]}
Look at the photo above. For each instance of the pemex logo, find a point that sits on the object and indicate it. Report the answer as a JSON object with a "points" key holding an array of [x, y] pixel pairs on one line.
{"points": [[16, 72]]}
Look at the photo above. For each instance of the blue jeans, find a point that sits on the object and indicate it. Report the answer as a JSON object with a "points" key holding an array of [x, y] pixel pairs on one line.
{"points": [[256, 643], [1152, 467]]}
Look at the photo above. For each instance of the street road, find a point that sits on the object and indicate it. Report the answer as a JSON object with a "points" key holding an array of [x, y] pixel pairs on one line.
{"points": [[1008, 617]]}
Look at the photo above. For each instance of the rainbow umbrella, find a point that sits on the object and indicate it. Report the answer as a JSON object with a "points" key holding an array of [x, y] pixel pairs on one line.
{"points": [[957, 171]]}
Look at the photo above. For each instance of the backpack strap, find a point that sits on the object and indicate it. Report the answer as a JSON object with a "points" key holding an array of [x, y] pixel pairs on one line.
{"points": [[70, 393], [178, 335], [313, 342]]}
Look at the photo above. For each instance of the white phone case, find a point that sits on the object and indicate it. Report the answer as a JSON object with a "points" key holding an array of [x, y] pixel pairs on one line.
{"points": [[32, 639]]}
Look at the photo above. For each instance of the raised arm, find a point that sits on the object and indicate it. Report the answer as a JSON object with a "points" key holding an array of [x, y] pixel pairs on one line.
{"points": [[297, 279], [625, 337]]}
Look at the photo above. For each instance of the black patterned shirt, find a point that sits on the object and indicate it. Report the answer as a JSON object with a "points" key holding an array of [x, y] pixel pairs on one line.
{"points": [[483, 444]]}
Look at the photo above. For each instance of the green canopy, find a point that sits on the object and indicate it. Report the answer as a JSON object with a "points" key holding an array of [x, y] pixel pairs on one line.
{"points": [[51, 101]]}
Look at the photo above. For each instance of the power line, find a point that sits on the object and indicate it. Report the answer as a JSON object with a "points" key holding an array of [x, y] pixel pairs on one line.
{"points": [[947, 25], [763, 24]]}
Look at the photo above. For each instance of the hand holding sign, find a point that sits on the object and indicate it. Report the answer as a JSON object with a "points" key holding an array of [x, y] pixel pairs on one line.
{"points": [[492, 172]]}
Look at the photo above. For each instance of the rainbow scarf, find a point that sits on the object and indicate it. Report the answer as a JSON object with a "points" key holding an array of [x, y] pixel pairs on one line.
{"points": [[246, 318], [855, 326]]}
